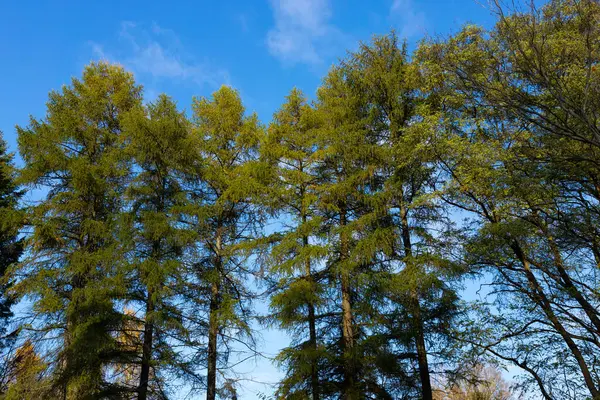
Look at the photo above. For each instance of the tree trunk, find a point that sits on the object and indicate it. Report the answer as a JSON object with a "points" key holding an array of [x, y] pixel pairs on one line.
{"points": [[546, 306], [421, 350], [146, 348], [427, 393], [213, 327], [587, 307], [148, 345], [347, 328], [314, 373]]}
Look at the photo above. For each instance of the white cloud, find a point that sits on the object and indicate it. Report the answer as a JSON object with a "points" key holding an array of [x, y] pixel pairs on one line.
{"points": [[157, 53], [412, 22], [302, 32]]}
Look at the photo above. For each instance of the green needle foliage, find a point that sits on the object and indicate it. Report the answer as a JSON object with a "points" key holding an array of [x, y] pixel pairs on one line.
{"points": [[227, 221], [72, 270], [11, 247], [10, 223], [297, 255], [418, 288], [355, 226], [362, 213], [161, 154]]}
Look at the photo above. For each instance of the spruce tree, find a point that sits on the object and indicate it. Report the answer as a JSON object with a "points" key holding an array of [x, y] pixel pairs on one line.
{"points": [[10, 224], [10, 250], [227, 219], [73, 269]]}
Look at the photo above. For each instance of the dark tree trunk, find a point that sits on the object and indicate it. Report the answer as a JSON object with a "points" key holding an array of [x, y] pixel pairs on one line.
{"points": [[544, 303], [314, 372], [347, 326], [213, 328], [146, 349], [426, 391]]}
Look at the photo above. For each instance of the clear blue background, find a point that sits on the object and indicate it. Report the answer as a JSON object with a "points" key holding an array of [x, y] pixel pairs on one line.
{"points": [[189, 48]]}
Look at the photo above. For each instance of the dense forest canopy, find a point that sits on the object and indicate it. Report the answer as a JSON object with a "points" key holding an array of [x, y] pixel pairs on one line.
{"points": [[474, 157]]}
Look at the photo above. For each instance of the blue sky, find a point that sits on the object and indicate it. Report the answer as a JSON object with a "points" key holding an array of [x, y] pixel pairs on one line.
{"points": [[190, 48]]}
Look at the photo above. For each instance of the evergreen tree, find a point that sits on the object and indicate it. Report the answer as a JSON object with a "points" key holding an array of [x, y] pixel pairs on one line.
{"points": [[296, 257], [142, 210], [10, 250], [10, 224], [227, 219], [73, 269], [160, 150]]}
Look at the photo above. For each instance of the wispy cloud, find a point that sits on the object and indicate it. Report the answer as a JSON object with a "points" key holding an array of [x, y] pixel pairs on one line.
{"points": [[157, 53], [411, 21], [303, 32], [241, 20]]}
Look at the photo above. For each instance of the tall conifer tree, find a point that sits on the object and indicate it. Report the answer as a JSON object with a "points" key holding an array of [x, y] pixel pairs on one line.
{"points": [[354, 221], [296, 257], [161, 153], [10, 250], [72, 271], [419, 289], [10, 224], [228, 220]]}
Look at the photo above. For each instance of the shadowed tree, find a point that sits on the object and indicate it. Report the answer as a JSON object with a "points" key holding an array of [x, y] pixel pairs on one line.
{"points": [[72, 270], [10, 247]]}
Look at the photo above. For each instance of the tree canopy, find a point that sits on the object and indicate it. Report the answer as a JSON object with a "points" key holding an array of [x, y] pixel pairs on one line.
{"points": [[161, 242]]}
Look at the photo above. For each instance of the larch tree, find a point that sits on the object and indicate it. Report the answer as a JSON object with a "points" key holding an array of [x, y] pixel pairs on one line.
{"points": [[72, 271], [25, 378], [228, 220], [161, 155], [357, 231], [297, 255], [421, 299], [143, 242]]}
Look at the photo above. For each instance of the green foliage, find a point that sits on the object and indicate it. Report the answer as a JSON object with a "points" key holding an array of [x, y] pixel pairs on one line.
{"points": [[291, 149], [10, 223], [11, 248], [355, 227], [144, 210], [227, 219], [518, 139], [72, 269], [159, 148]]}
